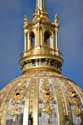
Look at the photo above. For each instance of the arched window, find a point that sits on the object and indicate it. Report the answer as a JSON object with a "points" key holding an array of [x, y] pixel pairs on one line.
{"points": [[32, 36], [47, 38]]}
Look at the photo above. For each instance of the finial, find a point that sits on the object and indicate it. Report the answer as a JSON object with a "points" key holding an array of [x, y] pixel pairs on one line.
{"points": [[25, 21], [40, 4], [56, 29], [56, 18]]}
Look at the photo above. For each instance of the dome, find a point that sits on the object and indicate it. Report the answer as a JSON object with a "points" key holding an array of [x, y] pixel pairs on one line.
{"points": [[41, 98], [41, 95]]}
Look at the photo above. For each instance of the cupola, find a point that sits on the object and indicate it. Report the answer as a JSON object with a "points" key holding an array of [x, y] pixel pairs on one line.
{"points": [[41, 42]]}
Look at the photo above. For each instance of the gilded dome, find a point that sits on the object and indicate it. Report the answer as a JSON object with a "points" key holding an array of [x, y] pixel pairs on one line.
{"points": [[41, 95], [41, 98]]}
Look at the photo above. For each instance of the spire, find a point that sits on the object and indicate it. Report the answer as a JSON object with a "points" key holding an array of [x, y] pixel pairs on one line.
{"points": [[40, 4]]}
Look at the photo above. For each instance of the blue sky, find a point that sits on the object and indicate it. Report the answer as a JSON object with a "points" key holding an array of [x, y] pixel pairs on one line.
{"points": [[70, 36]]}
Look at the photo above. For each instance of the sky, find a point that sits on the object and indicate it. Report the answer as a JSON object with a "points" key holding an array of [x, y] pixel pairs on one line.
{"points": [[70, 36]]}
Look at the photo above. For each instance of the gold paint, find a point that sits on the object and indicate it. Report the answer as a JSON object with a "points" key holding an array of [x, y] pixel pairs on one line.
{"points": [[47, 97], [52, 40], [79, 91], [26, 107], [67, 108], [59, 104], [77, 111], [43, 31], [25, 42], [56, 29], [35, 106], [5, 105], [41, 69], [40, 4], [41, 44]]}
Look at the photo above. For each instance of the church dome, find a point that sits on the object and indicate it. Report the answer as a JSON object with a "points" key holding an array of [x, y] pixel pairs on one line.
{"points": [[41, 98], [41, 95]]}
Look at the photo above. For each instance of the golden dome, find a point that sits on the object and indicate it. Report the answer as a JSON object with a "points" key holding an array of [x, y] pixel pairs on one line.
{"points": [[41, 95]]}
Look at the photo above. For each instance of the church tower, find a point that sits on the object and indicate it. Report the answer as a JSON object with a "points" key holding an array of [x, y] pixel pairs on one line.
{"points": [[41, 95]]}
